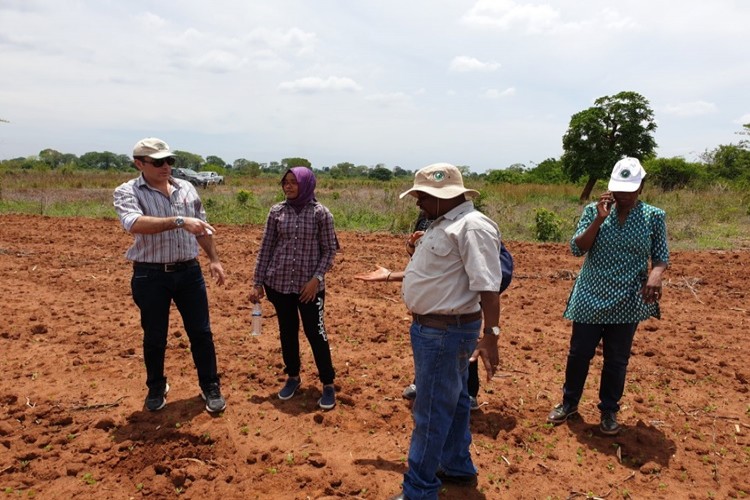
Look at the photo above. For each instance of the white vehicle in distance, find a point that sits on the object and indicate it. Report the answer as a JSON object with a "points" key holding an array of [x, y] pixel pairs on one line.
{"points": [[211, 177]]}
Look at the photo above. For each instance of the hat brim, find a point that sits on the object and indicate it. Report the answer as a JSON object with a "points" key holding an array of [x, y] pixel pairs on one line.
{"points": [[445, 193], [161, 154], [623, 186]]}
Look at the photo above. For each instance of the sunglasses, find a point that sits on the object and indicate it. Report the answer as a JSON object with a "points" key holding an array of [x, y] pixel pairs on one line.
{"points": [[169, 160]]}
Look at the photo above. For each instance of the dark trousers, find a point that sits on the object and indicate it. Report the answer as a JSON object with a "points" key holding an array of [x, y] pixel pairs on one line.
{"points": [[617, 341], [474, 378], [153, 292], [288, 311]]}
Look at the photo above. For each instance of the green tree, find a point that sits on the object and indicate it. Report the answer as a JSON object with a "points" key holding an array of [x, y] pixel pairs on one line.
{"points": [[508, 175], [400, 172], [342, 170], [104, 160], [380, 173], [295, 162], [188, 160], [674, 173], [247, 167], [216, 161], [597, 137], [550, 171], [51, 157], [731, 161]]}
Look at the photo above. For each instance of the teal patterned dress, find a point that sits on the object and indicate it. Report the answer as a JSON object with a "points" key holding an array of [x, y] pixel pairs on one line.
{"points": [[607, 290]]}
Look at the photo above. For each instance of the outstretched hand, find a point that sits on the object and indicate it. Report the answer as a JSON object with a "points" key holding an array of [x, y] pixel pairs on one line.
{"points": [[379, 274]]}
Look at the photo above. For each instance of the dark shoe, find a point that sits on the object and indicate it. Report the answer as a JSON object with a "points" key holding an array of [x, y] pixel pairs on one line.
{"points": [[410, 392], [214, 401], [474, 405], [561, 413], [291, 386], [328, 400], [609, 425], [464, 481], [157, 398]]}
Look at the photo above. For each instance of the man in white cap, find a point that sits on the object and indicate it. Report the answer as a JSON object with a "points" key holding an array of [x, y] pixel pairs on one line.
{"points": [[614, 291], [450, 285], [167, 219]]}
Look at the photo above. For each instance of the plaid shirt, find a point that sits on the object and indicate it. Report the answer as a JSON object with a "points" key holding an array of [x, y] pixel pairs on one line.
{"points": [[295, 247], [136, 198]]}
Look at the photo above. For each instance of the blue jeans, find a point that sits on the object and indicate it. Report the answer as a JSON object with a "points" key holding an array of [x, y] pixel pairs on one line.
{"points": [[441, 436], [153, 292], [617, 341]]}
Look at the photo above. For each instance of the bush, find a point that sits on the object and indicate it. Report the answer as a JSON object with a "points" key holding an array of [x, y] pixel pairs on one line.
{"points": [[675, 173], [548, 225], [243, 197]]}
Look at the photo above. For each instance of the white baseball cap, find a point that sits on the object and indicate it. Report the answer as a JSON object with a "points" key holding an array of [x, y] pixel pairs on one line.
{"points": [[152, 147], [627, 175]]}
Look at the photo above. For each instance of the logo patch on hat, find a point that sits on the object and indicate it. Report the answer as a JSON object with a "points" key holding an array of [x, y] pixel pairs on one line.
{"points": [[439, 176], [624, 173]]}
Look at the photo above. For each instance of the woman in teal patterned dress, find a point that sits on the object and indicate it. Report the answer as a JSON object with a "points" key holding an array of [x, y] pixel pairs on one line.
{"points": [[615, 289]]}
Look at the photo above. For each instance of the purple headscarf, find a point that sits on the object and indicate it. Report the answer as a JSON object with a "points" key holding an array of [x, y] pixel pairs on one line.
{"points": [[306, 184]]}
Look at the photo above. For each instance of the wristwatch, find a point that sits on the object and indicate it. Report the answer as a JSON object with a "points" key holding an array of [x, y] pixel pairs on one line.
{"points": [[179, 221], [495, 330], [319, 278]]}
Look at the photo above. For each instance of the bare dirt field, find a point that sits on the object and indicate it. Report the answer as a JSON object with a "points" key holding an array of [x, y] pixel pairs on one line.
{"points": [[72, 422]]}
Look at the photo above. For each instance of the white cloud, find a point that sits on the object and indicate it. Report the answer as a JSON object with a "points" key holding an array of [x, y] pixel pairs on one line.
{"points": [[151, 21], [695, 108], [506, 14], [312, 84], [466, 64], [534, 18], [742, 120], [499, 94]]}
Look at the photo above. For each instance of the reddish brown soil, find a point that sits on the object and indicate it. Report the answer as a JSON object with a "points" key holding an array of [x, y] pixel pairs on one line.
{"points": [[72, 423]]}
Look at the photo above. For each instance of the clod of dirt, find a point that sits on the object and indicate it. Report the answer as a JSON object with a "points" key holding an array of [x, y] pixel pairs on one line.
{"points": [[38, 329]]}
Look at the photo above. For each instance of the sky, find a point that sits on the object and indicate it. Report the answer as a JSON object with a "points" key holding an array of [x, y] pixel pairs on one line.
{"points": [[478, 83]]}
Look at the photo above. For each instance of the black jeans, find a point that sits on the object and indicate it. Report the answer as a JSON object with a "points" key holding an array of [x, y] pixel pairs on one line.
{"points": [[153, 292], [288, 311], [617, 341]]}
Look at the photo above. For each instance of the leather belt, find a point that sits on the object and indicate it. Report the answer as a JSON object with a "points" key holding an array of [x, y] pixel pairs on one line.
{"points": [[168, 267], [443, 321]]}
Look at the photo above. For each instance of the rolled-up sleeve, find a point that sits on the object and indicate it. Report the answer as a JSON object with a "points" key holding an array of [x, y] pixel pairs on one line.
{"points": [[126, 205]]}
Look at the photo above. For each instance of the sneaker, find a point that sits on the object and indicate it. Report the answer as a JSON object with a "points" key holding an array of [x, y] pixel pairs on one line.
{"points": [[410, 392], [291, 386], [157, 398], [464, 481], [214, 401], [609, 425], [561, 413], [474, 404], [328, 400]]}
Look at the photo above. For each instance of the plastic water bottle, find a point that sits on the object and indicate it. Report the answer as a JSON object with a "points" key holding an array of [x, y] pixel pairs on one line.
{"points": [[257, 318]]}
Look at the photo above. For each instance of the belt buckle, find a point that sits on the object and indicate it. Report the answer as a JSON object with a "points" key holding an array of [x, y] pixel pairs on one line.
{"points": [[170, 267]]}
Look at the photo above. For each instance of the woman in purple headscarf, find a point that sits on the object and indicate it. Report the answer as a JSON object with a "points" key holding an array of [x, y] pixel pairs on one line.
{"points": [[298, 247]]}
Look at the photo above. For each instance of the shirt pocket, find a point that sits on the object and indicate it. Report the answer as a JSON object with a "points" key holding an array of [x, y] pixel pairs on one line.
{"points": [[440, 247]]}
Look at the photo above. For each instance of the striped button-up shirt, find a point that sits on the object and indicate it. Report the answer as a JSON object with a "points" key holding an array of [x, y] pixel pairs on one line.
{"points": [[295, 247], [135, 198]]}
